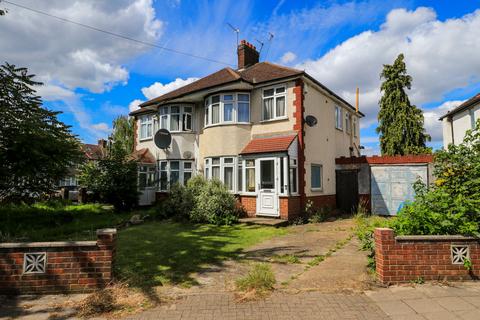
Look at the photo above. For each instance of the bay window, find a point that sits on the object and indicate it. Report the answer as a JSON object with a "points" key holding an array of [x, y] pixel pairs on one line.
{"points": [[176, 118], [227, 108], [223, 169], [174, 171], [274, 103], [146, 127], [250, 175]]}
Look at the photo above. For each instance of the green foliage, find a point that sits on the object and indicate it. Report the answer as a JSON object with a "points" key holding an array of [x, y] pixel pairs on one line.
{"points": [[113, 178], [202, 201], [364, 230], [467, 264], [285, 258], [36, 149], [260, 278], [401, 125], [123, 134], [452, 204], [55, 220]]}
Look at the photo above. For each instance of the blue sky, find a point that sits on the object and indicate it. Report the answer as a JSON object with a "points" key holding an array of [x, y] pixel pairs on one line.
{"points": [[94, 78]]}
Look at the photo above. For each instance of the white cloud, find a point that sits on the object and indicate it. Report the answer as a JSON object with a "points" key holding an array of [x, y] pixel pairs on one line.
{"points": [[73, 57], [102, 126], [432, 125], [158, 88], [288, 57], [439, 57], [134, 105]]}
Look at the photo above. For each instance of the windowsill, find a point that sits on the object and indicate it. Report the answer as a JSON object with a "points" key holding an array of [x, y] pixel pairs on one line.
{"points": [[247, 193], [316, 189], [339, 129], [145, 139], [177, 132], [228, 124], [274, 120]]}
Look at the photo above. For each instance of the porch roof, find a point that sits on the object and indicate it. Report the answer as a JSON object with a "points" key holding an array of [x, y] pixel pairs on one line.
{"points": [[267, 145], [143, 156]]}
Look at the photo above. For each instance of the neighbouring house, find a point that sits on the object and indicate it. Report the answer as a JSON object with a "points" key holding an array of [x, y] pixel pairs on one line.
{"points": [[457, 121], [92, 152], [247, 127]]}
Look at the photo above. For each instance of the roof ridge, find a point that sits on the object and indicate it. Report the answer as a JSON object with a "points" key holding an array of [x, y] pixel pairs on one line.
{"points": [[283, 67], [233, 72]]}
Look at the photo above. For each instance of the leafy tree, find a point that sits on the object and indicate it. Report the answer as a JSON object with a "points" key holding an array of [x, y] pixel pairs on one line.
{"points": [[36, 149], [452, 204], [113, 178], [400, 123], [123, 133]]}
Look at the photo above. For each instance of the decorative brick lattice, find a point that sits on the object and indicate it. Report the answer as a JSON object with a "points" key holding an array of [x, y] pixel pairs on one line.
{"points": [[34, 262], [460, 253]]}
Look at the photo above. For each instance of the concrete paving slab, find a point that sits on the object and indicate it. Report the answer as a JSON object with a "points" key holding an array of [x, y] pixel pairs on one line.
{"points": [[394, 308], [424, 305], [454, 303], [468, 314], [445, 315], [407, 317], [474, 300]]}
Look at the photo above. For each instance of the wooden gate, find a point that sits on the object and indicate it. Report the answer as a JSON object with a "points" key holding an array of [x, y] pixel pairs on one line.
{"points": [[347, 190]]}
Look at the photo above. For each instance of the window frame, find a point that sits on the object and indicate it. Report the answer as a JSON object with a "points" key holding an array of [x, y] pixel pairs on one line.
{"points": [[293, 167], [182, 116], [181, 172], [338, 118], [146, 120], [208, 114], [275, 96], [320, 166], [348, 122]]}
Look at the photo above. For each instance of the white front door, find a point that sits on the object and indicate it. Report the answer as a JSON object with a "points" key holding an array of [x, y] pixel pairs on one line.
{"points": [[267, 198]]}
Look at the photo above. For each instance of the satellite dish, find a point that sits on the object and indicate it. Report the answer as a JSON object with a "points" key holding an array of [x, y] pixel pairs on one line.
{"points": [[163, 139], [311, 121]]}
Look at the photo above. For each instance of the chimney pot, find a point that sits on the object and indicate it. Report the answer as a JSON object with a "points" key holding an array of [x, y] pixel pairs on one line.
{"points": [[247, 55]]}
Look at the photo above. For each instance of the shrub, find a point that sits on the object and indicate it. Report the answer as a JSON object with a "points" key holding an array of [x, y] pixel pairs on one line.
{"points": [[260, 278], [452, 204], [179, 204], [213, 203]]}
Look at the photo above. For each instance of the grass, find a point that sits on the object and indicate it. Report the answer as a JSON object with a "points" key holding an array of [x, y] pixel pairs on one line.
{"points": [[260, 280], [285, 259], [55, 221], [160, 253]]}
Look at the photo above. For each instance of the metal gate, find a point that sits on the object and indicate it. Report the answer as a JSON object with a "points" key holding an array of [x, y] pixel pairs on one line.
{"points": [[347, 190], [391, 185]]}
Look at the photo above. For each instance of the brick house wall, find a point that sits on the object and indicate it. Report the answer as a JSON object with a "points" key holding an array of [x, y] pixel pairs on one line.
{"points": [[408, 258], [80, 266], [290, 207], [249, 204]]}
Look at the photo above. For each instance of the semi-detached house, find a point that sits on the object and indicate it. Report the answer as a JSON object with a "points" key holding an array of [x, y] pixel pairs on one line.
{"points": [[247, 128]]}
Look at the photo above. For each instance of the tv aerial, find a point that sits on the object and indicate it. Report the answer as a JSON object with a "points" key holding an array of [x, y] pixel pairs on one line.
{"points": [[236, 30]]}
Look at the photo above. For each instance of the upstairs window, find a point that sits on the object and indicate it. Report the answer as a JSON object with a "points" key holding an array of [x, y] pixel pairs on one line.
{"points": [[354, 127], [227, 108], [146, 127], [274, 103], [176, 118], [338, 118], [348, 122]]}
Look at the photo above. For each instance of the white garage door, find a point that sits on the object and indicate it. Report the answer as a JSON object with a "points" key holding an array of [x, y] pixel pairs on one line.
{"points": [[391, 185]]}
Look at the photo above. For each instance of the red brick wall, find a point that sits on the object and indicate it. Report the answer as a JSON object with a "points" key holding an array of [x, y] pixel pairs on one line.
{"points": [[329, 201], [249, 204], [290, 207], [298, 126], [403, 259], [70, 266]]}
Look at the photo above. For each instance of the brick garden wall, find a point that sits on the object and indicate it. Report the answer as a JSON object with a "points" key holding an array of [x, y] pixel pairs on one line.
{"points": [[80, 266], [408, 258]]}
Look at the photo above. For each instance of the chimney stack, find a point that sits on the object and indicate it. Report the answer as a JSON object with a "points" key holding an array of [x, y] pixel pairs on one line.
{"points": [[102, 143], [247, 55]]}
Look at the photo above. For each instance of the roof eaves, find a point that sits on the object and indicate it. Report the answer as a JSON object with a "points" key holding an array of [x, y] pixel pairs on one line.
{"points": [[465, 105]]}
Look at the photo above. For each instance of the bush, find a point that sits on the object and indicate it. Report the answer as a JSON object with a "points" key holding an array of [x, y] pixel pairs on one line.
{"points": [[213, 203], [202, 201], [452, 204], [260, 278]]}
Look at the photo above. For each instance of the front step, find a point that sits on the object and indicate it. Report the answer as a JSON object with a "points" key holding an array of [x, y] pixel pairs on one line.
{"points": [[274, 222]]}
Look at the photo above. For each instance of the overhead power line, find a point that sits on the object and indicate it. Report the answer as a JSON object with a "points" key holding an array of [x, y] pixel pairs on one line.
{"points": [[145, 43]]}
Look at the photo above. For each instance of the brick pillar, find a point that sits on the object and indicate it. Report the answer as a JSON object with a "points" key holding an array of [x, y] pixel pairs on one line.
{"points": [[384, 243], [107, 242]]}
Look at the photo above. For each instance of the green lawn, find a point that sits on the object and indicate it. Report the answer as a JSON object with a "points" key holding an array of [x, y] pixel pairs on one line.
{"points": [[167, 253]]}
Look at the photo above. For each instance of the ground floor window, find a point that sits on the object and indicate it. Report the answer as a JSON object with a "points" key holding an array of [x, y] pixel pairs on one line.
{"points": [[239, 174], [68, 182], [174, 171], [146, 177], [316, 171]]}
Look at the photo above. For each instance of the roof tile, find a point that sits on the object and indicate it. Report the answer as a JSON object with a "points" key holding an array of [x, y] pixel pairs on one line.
{"points": [[266, 145]]}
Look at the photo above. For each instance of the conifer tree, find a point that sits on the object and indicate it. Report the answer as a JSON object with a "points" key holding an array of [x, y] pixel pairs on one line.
{"points": [[400, 124]]}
